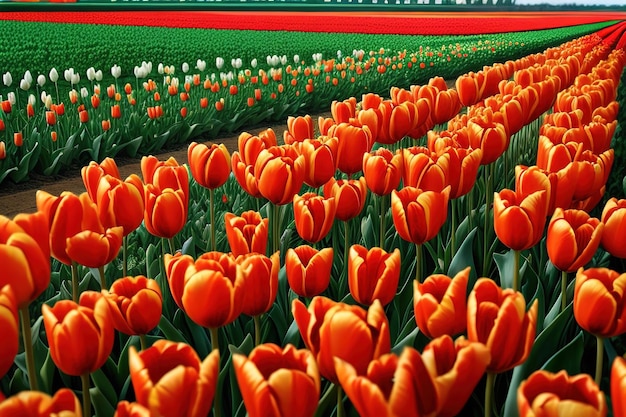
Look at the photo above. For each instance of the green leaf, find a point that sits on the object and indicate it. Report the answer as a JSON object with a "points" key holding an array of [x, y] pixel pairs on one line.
{"points": [[170, 332], [103, 384], [464, 257], [101, 405], [568, 358]]}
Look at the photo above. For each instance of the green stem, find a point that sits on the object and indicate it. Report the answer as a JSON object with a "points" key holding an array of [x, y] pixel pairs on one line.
{"points": [[276, 228], [170, 241], [257, 329], [75, 289], [599, 358], [491, 378], [27, 337], [470, 208], [125, 256], [86, 395], [383, 206], [453, 204], [143, 341], [346, 252], [563, 290], [488, 177], [325, 400], [103, 283], [516, 284], [212, 211], [217, 401], [418, 263], [340, 410]]}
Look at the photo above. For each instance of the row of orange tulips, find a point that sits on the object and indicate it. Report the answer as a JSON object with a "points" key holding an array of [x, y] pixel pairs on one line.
{"points": [[347, 344]]}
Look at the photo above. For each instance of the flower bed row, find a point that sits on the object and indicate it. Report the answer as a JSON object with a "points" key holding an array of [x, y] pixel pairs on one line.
{"points": [[290, 246]]}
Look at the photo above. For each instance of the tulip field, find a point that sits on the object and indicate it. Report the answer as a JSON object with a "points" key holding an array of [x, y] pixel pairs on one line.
{"points": [[438, 232]]}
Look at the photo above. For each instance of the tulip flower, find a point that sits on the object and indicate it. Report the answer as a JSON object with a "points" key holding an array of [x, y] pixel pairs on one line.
{"points": [[354, 142], [391, 386], [373, 274], [280, 174], [170, 380], [244, 174], [134, 409], [456, 367], [463, 165], [320, 160], [498, 318], [364, 334], [343, 111], [424, 169], [299, 129], [545, 393], [39, 404], [246, 233], [614, 219], [440, 304], [572, 239], [488, 135], [308, 269], [382, 170], [165, 174], [165, 211], [278, 382], [618, 386], [349, 196], [249, 146], [313, 216], [210, 289], [559, 185], [9, 326], [136, 304], [209, 165]]}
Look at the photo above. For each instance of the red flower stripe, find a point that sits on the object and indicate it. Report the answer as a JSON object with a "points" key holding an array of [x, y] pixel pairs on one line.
{"points": [[410, 23]]}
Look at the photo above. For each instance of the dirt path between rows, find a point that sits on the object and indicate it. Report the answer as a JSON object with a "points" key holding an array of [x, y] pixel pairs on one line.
{"points": [[20, 198]]}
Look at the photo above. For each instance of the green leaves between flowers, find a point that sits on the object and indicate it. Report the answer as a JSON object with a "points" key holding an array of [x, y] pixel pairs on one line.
{"points": [[25, 165]]}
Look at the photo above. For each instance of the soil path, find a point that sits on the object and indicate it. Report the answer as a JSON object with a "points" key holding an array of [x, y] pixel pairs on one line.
{"points": [[20, 198]]}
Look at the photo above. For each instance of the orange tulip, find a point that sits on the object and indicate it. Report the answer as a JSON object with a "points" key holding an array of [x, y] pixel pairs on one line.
{"points": [[127, 409], [10, 328], [25, 256], [598, 301], [364, 334], [463, 165], [80, 336], [618, 386], [456, 367], [391, 386], [3, 149], [424, 169], [548, 394], [559, 185], [299, 129], [572, 239], [440, 304], [209, 166], [136, 304], [170, 380], [468, 89], [116, 112], [308, 269], [419, 215], [39, 404], [165, 174], [354, 142], [313, 215], [498, 319], [445, 106], [246, 233], [260, 283], [373, 274], [487, 134], [343, 111], [165, 211], [614, 219], [244, 174], [320, 159], [279, 171], [210, 290], [519, 219], [382, 170], [593, 172], [272, 381], [51, 117], [349, 196], [249, 146]]}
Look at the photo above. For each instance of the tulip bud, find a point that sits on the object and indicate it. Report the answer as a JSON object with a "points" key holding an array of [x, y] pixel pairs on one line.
{"points": [[7, 79], [53, 75]]}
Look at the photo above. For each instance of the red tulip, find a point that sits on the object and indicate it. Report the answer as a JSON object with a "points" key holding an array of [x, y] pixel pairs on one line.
{"points": [[170, 380], [424, 169], [343, 111], [599, 302], [373, 274], [519, 219], [280, 173], [165, 174], [618, 386], [210, 290], [349, 196], [364, 334], [463, 165], [439, 304], [272, 381], [354, 142], [614, 219], [547, 394], [136, 304], [308, 269], [127, 409], [313, 216], [10, 328], [419, 215], [209, 166], [260, 283], [572, 239], [299, 129], [487, 134], [80, 336], [382, 170], [165, 211], [39, 404], [320, 160], [246, 233], [559, 185]]}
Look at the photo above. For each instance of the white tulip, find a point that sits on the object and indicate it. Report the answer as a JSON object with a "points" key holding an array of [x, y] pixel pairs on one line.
{"points": [[41, 80], [283, 59], [99, 75], [175, 82], [75, 78], [53, 75], [219, 62], [296, 59], [171, 69], [160, 68], [185, 67], [254, 63], [43, 96], [116, 71], [28, 77], [147, 66], [84, 93], [32, 99], [48, 102], [189, 79], [137, 71], [67, 74], [7, 79], [24, 85], [11, 97], [201, 65]]}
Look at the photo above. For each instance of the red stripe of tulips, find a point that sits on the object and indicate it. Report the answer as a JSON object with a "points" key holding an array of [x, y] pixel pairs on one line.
{"points": [[342, 22]]}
